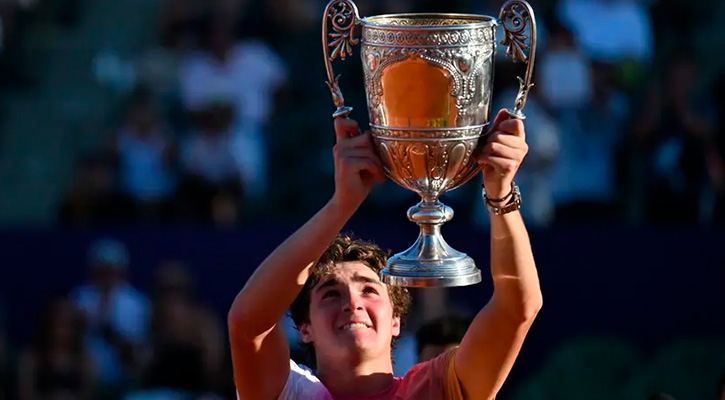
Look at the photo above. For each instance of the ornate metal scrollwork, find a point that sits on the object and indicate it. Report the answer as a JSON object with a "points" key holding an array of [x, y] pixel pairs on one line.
{"points": [[343, 16], [515, 16]]}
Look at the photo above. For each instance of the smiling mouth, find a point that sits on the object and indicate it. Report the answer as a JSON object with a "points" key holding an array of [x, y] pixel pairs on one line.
{"points": [[355, 325]]}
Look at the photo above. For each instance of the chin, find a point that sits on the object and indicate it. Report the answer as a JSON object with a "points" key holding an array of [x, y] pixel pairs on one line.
{"points": [[359, 343], [367, 334]]}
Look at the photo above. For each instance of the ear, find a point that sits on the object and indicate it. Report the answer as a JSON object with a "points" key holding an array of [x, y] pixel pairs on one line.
{"points": [[306, 333], [396, 326]]}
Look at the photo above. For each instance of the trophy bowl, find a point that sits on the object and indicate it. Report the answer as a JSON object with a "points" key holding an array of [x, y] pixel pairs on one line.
{"points": [[428, 81]]}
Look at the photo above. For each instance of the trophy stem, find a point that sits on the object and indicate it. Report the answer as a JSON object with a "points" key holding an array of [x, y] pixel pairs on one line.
{"points": [[430, 262]]}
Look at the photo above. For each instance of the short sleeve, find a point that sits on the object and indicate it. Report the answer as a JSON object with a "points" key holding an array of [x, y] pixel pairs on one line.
{"points": [[432, 380], [302, 384], [452, 386]]}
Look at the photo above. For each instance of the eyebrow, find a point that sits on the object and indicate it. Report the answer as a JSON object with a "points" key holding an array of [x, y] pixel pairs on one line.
{"points": [[364, 279], [355, 278], [329, 283]]}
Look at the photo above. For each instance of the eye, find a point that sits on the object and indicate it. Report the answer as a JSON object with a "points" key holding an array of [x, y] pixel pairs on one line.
{"points": [[330, 293], [369, 290]]}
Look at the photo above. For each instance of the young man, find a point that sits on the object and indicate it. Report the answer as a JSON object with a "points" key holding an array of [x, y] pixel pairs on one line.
{"points": [[350, 318]]}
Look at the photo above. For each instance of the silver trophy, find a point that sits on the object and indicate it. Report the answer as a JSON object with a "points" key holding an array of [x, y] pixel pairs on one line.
{"points": [[428, 80]]}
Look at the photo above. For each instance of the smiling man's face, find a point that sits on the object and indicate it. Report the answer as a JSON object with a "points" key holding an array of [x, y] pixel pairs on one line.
{"points": [[351, 315]]}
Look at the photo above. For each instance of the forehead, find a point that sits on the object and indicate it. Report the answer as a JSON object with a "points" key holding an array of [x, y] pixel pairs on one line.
{"points": [[347, 272]]}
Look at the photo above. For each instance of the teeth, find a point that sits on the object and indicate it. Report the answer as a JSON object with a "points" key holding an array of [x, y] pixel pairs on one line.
{"points": [[354, 325]]}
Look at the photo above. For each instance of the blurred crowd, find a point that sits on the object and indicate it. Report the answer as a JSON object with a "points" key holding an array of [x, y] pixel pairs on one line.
{"points": [[107, 339], [226, 117]]}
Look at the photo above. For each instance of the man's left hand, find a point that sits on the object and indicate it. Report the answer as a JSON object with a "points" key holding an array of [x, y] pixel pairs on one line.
{"points": [[502, 153]]}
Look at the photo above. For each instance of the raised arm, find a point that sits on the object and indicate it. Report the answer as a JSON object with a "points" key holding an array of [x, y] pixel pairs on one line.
{"points": [[260, 354], [494, 339]]}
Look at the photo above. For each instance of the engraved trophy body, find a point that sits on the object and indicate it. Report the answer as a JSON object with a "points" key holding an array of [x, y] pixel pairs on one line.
{"points": [[429, 80]]}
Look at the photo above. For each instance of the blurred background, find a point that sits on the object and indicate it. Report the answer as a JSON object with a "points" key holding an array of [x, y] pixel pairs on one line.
{"points": [[153, 152]]}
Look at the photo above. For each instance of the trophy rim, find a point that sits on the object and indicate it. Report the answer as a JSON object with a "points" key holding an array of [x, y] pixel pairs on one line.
{"points": [[427, 128], [477, 21]]}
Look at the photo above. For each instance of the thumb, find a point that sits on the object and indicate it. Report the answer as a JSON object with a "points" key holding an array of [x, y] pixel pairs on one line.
{"points": [[502, 116], [345, 128]]}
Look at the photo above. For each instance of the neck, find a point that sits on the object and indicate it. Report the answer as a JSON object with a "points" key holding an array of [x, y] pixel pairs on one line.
{"points": [[356, 378]]}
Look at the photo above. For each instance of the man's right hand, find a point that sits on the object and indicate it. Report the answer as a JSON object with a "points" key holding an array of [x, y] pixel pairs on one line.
{"points": [[357, 166]]}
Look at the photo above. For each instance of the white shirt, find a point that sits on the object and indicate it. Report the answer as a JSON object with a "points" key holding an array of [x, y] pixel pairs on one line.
{"points": [[302, 384], [248, 79], [128, 314]]}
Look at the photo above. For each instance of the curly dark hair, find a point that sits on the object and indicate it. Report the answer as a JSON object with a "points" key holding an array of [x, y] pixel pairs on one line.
{"points": [[345, 248]]}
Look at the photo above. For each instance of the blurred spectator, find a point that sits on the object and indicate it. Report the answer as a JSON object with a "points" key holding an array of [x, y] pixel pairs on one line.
{"points": [[615, 32], [116, 314], [610, 30], [564, 74], [146, 157], [721, 389], [178, 24], [57, 365], [246, 73], [586, 172], [433, 337], [440, 335], [157, 66], [94, 197], [185, 351], [210, 188], [673, 133]]}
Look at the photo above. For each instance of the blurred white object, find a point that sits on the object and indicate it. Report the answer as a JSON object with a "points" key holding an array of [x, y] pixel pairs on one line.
{"points": [[248, 78]]}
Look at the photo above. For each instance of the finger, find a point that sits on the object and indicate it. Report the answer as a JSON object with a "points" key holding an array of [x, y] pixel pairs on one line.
{"points": [[513, 126], [502, 116], [358, 152], [366, 164], [500, 164], [362, 140], [507, 140], [345, 128], [500, 150]]}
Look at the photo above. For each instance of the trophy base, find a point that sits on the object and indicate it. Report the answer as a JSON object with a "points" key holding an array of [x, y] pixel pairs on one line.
{"points": [[430, 262]]}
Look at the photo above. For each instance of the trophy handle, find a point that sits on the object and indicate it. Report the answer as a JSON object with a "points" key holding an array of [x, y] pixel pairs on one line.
{"points": [[342, 16], [514, 17]]}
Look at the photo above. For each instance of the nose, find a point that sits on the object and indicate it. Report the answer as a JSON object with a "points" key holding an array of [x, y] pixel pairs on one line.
{"points": [[352, 301]]}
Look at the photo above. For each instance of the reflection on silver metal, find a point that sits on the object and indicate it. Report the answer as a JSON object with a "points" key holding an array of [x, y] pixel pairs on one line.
{"points": [[343, 16], [430, 262], [514, 15], [428, 81]]}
